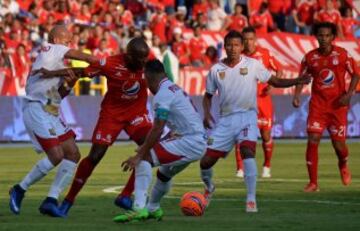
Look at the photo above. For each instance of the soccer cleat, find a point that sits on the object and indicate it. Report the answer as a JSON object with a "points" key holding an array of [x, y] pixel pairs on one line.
{"points": [[157, 214], [345, 175], [208, 194], [266, 172], [311, 187], [16, 196], [124, 202], [50, 207], [135, 215], [65, 207], [251, 207], [240, 173]]}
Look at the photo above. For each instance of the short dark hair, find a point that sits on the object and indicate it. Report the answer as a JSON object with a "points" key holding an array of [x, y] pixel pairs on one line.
{"points": [[155, 67], [233, 34], [249, 29], [328, 25]]}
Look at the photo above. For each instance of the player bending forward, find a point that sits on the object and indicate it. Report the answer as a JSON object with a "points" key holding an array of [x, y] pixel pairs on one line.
{"points": [[186, 144], [236, 78]]}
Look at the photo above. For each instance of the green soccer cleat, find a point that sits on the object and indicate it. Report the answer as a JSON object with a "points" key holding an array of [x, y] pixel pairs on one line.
{"points": [[157, 214], [135, 215]]}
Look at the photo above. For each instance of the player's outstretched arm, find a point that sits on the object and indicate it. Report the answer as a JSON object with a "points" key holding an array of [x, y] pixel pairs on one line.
{"points": [[344, 100], [296, 99], [45, 73], [208, 119], [76, 54], [283, 83]]}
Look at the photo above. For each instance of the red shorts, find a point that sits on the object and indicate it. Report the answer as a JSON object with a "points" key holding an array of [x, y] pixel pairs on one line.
{"points": [[265, 113], [109, 127], [335, 122]]}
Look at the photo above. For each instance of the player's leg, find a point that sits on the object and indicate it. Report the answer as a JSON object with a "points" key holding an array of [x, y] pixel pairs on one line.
{"points": [[239, 162], [267, 145], [312, 157], [337, 130], [137, 130], [43, 136]]}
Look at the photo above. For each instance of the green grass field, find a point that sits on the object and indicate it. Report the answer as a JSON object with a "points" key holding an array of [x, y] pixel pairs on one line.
{"points": [[282, 204]]}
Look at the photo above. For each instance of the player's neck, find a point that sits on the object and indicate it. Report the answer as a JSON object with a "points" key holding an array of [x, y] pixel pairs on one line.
{"points": [[249, 51], [232, 62], [325, 50]]}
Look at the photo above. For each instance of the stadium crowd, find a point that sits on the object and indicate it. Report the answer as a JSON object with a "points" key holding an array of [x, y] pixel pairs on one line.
{"points": [[103, 27]]}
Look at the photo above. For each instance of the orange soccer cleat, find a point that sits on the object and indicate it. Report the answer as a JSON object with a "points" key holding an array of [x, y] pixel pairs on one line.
{"points": [[345, 175], [311, 187]]}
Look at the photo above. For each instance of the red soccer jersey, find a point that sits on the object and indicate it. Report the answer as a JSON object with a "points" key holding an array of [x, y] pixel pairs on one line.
{"points": [[328, 73], [180, 49], [347, 25], [198, 45], [265, 20], [127, 93], [238, 22], [329, 16], [264, 56], [306, 10]]}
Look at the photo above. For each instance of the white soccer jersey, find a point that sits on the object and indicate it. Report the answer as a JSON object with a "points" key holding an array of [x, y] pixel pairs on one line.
{"points": [[51, 57], [237, 86], [173, 104]]}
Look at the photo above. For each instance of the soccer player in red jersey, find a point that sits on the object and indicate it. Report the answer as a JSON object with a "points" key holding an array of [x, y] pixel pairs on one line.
{"points": [[123, 108], [329, 101], [265, 108]]}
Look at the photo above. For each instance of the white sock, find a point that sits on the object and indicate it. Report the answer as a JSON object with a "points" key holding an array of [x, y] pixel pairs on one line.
{"points": [[206, 176], [63, 177], [143, 177], [159, 190], [250, 173], [40, 170]]}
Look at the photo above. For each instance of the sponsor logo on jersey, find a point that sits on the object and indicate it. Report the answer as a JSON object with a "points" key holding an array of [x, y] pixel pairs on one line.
{"points": [[102, 62], [131, 88], [138, 120], [327, 76], [243, 71], [221, 74]]}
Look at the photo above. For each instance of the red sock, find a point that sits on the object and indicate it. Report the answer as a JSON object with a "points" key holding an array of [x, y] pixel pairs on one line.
{"points": [[82, 174], [342, 156], [312, 161], [129, 187], [239, 162], [268, 151]]}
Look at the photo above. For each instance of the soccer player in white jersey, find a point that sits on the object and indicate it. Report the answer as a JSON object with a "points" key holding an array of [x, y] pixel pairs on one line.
{"points": [[47, 131], [236, 78], [186, 143]]}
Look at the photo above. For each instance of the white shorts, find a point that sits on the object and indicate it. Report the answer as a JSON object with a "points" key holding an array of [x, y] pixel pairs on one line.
{"points": [[45, 130], [179, 151], [232, 129]]}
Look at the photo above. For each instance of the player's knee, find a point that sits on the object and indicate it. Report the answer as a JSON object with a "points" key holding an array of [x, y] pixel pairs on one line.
{"points": [[162, 177], [314, 138], [248, 149], [55, 156], [207, 162], [339, 146], [97, 153]]}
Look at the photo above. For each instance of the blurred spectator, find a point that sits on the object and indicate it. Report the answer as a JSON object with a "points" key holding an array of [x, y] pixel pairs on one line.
{"points": [[218, 20], [197, 47], [9, 6], [20, 63], [278, 10], [84, 16], [200, 7], [210, 57], [262, 20], [330, 14], [348, 23], [158, 22], [61, 13], [238, 21], [200, 21], [180, 48], [303, 15], [253, 6], [126, 18]]}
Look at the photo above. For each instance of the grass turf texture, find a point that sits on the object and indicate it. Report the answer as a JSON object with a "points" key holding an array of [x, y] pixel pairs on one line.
{"points": [[282, 204]]}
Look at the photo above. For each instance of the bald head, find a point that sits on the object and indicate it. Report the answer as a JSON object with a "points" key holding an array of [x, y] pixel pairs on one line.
{"points": [[59, 34], [137, 52]]}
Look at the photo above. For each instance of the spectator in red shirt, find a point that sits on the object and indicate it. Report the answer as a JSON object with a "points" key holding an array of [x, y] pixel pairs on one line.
{"points": [[278, 10], [158, 22], [303, 15], [348, 23], [197, 47], [21, 64], [262, 20], [180, 48], [200, 6], [210, 57], [238, 21], [62, 11], [330, 14]]}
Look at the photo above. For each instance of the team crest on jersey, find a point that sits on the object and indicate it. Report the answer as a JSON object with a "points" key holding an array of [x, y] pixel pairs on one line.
{"points": [[131, 88], [243, 71], [327, 76], [221, 74], [102, 62], [335, 61], [52, 131]]}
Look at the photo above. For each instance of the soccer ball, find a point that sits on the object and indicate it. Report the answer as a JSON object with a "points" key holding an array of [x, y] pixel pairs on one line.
{"points": [[193, 204]]}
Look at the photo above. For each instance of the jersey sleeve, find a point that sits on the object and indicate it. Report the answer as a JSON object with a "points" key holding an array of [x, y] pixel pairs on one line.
{"points": [[162, 103], [60, 50], [351, 65], [96, 69], [211, 85], [263, 74]]}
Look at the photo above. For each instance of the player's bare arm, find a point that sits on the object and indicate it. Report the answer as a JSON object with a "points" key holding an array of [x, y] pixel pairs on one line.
{"points": [[283, 83], [143, 152], [344, 100], [76, 54], [208, 118], [296, 99]]}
